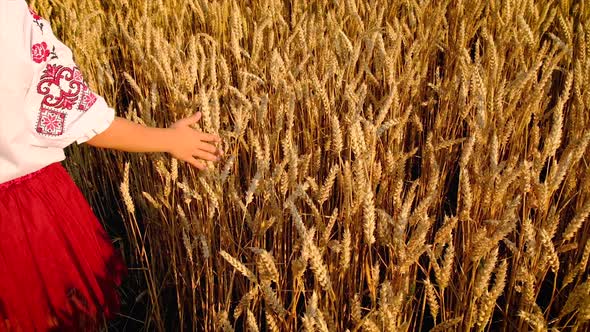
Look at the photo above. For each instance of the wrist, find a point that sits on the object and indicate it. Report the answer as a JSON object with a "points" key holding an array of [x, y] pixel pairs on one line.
{"points": [[168, 139]]}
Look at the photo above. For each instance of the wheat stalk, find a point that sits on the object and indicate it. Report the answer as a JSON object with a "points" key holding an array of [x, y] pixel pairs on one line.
{"points": [[238, 266]]}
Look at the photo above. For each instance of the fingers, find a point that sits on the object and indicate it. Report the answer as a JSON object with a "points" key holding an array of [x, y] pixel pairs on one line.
{"points": [[196, 164], [209, 148], [194, 118], [209, 137], [206, 155], [190, 119]]}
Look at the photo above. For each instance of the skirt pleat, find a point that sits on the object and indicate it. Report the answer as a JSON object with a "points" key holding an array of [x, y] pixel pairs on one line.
{"points": [[58, 268]]}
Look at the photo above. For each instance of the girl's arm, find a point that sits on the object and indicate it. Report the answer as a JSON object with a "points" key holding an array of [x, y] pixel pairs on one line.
{"points": [[180, 140]]}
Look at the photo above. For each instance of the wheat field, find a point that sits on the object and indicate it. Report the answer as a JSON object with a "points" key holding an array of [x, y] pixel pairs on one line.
{"points": [[390, 165]]}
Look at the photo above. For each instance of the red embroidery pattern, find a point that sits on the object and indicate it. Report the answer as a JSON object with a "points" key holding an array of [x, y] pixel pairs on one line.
{"points": [[60, 85], [36, 19], [40, 52], [63, 89], [35, 16], [88, 99], [51, 122]]}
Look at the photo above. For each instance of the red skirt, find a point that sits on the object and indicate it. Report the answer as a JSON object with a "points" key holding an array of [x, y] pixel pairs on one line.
{"points": [[58, 268]]}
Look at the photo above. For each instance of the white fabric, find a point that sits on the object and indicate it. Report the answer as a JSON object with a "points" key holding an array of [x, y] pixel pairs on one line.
{"points": [[44, 103]]}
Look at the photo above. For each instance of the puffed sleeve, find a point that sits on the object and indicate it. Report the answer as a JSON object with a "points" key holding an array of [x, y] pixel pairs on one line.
{"points": [[66, 109]]}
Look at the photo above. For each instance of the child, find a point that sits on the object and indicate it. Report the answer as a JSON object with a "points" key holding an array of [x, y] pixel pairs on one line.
{"points": [[58, 269]]}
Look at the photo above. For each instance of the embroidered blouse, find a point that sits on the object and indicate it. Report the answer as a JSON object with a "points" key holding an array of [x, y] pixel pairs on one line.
{"points": [[45, 104]]}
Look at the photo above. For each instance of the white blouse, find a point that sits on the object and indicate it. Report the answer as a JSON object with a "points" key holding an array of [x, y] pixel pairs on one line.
{"points": [[45, 105]]}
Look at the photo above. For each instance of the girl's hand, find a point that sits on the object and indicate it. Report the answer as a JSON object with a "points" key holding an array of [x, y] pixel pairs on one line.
{"points": [[191, 145]]}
